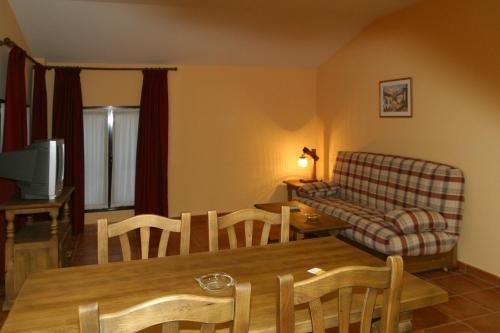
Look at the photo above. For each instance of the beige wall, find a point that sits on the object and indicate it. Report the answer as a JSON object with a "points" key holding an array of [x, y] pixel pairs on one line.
{"points": [[235, 132], [8, 28], [450, 48]]}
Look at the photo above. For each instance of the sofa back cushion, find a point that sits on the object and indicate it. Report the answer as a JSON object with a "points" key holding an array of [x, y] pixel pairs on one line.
{"points": [[387, 182]]}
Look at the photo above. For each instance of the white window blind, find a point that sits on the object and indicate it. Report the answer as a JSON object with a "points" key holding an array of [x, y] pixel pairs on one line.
{"points": [[110, 150], [95, 131], [125, 127]]}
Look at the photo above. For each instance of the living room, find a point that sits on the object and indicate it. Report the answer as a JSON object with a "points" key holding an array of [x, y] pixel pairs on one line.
{"points": [[301, 75]]}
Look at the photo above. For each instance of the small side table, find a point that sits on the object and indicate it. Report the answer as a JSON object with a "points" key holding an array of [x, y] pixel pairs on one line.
{"points": [[326, 224], [292, 185]]}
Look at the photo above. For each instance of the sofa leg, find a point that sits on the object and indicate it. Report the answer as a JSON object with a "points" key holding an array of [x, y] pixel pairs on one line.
{"points": [[453, 260]]}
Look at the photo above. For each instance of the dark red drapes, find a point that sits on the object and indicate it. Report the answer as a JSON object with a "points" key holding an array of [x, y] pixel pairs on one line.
{"points": [[67, 124], [39, 106], [14, 131], [151, 186], [15, 135]]}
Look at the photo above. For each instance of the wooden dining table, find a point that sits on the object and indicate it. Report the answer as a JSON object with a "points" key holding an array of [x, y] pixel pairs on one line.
{"points": [[49, 300]]}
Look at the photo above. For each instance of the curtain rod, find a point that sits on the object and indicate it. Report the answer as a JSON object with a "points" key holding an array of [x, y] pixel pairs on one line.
{"points": [[112, 68], [9, 43]]}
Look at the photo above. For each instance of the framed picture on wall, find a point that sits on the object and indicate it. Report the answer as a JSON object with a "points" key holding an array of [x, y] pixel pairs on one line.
{"points": [[395, 98]]}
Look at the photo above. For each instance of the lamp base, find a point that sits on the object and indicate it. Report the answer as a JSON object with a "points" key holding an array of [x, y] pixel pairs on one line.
{"points": [[308, 180]]}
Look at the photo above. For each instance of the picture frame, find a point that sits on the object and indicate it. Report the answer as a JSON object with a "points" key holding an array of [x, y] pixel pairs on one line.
{"points": [[395, 98]]}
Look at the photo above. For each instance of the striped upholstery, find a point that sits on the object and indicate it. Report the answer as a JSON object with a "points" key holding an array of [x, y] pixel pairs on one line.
{"points": [[387, 182], [317, 189], [372, 185], [413, 220]]}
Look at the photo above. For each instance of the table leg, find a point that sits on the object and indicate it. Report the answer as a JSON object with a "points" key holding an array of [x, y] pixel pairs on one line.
{"points": [[54, 250], [10, 292], [67, 213], [289, 190]]}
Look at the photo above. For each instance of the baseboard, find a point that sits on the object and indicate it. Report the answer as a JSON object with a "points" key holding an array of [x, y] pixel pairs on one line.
{"points": [[479, 273]]}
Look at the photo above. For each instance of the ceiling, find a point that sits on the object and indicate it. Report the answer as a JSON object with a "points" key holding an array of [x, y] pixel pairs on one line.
{"points": [[283, 33]]}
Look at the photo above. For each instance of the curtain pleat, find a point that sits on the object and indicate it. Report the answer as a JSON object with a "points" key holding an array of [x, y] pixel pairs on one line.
{"points": [[68, 125], [151, 184], [39, 106], [15, 129]]}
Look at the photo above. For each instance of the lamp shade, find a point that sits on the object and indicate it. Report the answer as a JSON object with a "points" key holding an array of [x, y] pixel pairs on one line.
{"points": [[302, 161]]}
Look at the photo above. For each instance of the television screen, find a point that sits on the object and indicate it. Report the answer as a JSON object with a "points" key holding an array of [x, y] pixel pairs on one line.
{"points": [[38, 169]]}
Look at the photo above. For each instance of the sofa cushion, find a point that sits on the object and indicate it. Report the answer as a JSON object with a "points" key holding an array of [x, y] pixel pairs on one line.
{"points": [[409, 245], [317, 189], [370, 229], [415, 220]]}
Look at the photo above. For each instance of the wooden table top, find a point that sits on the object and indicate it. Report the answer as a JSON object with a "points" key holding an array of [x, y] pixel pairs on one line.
{"points": [[295, 183], [298, 221], [16, 202], [48, 301]]}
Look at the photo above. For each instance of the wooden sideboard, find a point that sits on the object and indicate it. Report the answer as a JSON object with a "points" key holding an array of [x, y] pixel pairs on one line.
{"points": [[38, 245]]}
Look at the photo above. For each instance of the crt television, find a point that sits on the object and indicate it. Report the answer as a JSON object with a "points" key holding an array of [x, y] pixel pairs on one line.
{"points": [[38, 169]]}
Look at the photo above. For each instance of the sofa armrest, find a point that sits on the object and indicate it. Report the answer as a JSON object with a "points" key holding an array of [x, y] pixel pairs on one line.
{"points": [[415, 220], [317, 189]]}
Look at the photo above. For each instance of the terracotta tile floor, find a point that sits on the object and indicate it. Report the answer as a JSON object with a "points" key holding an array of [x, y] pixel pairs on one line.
{"points": [[474, 304]]}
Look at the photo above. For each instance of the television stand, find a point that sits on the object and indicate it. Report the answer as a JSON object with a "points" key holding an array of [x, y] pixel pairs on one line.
{"points": [[38, 245]]}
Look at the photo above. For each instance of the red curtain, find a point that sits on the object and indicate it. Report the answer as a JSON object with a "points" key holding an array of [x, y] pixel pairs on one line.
{"points": [[39, 106], [14, 131], [67, 124], [151, 186], [14, 136]]}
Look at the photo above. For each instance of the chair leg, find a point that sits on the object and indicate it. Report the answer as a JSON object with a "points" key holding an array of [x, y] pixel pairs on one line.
{"points": [[404, 326]]}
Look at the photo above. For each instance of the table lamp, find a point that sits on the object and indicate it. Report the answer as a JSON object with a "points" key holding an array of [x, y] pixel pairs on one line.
{"points": [[303, 163]]}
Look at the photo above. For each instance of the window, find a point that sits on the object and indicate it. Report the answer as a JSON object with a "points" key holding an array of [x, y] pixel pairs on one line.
{"points": [[2, 121], [110, 142]]}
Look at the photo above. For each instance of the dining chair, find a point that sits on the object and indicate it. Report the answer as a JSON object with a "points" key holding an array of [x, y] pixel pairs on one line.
{"points": [[170, 311], [216, 223], [143, 222], [388, 278]]}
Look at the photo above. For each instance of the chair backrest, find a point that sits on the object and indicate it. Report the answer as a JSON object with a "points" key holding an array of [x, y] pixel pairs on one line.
{"points": [[249, 215], [143, 222], [170, 310], [389, 279]]}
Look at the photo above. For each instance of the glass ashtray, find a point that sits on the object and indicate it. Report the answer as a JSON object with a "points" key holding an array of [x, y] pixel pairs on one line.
{"points": [[215, 282], [312, 217]]}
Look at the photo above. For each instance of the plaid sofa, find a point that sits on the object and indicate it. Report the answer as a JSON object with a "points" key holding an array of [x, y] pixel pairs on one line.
{"points": [[372, 192]]}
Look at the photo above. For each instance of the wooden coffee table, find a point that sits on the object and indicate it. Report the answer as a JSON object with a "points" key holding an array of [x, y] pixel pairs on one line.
{"points": [[298, 221]]}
